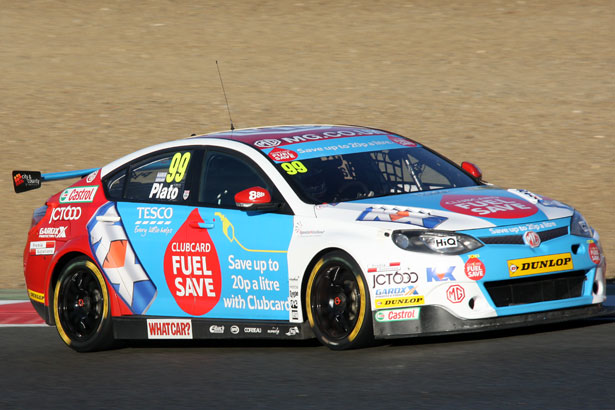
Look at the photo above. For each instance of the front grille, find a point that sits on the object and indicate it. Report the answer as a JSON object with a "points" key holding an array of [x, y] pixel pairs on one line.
{"points": [[512, 292], [518, 239]]}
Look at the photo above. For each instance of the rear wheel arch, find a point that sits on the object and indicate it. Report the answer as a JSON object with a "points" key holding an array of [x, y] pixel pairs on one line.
{"points": [[81, 305], [55, 275]]}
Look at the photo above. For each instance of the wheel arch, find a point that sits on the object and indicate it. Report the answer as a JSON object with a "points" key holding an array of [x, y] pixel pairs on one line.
{"points": [[55, 274], [310, 266]]}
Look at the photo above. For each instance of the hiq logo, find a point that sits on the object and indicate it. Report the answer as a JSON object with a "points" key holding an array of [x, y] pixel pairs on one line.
{"points": [[433, 276]]}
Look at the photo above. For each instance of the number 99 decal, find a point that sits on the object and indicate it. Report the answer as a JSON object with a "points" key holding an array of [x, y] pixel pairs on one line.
{"points": [[294, 167], [178, 167]]}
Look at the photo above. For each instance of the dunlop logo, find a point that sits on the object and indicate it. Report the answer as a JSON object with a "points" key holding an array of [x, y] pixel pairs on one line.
{"points": [[540, 264], [37, 297], [399, 302]]}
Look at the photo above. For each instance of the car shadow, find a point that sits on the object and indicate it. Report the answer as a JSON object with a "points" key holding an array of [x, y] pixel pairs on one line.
{"points": [[502, 333]]}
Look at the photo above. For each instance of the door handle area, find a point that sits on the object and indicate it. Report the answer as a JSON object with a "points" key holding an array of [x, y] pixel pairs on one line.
{"points": [[105, 218], [202, 225]]}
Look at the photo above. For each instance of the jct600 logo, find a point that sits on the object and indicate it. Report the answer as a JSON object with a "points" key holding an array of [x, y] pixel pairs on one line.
{"points": [[68, 213]]}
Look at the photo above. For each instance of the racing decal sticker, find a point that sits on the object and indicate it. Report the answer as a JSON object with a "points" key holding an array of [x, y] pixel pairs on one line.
{"points": [[192, 269], [308, 228], [316, 147], [435, 276], [26, 180], [383, 267], [499, 207], [212, 262], [399, 302], [536, 199], [293, 168], [455, 293], [65, 213], [403, 141], [119, 263], [474, 268], [397, 315], [318, 135], [58, 232], [42, 247], [91, 177], [394, 278], [389, 281], [80, 194], [169, 329], [249, 270], [594, 252], [401, 215], [540, 264], [167, 185], [523, 228], [282, 155], [36, 296]]}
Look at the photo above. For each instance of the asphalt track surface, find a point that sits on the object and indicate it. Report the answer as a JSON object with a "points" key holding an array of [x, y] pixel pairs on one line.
{"points": [[566, 366]]}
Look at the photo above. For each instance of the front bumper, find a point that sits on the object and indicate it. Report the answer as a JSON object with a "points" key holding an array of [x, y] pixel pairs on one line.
{"points": [[435, 320]]}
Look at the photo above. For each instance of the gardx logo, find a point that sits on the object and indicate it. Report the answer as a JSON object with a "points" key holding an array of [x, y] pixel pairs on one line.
{"points": [[540, 264]]}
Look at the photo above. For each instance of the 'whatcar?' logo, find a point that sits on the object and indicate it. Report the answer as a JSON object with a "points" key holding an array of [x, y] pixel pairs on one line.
{"points": [[500, 207]]}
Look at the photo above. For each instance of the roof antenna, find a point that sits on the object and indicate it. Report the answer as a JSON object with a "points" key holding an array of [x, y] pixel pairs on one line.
{"points": [[225, 99]]}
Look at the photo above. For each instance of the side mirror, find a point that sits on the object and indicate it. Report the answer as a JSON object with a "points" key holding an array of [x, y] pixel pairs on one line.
{"points": [[472, 170], [253, 199]]}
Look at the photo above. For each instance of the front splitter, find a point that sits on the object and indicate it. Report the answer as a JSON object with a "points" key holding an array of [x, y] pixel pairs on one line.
{"points": [[435, 320]]}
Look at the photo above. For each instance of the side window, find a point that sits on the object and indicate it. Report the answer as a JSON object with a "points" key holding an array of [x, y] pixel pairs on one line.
{"points": [[160, 178], [115, 184], [224, 175]]}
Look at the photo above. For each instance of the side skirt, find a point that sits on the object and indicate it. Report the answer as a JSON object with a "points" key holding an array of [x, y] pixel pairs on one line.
{"points": [[147, 327]]}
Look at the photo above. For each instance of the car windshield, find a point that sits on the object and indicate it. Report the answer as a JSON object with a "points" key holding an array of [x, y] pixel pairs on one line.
{"points": [[353, 176]]}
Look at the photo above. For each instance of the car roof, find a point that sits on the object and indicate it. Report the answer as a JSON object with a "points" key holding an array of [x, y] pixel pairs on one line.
{"points": [[260, 138], [269, 136]]}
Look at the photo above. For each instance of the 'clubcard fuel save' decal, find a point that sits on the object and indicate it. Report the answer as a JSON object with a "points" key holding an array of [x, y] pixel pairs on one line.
{"points": [[488, 206], [212, 262], [191, 267]]}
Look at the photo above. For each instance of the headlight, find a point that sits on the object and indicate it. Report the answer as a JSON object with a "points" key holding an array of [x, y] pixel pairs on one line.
{"points": [[448, 243], [580, 227]]}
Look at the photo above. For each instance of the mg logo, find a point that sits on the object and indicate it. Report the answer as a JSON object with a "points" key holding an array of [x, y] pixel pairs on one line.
{"points": [[267, 143], [455, 293], [531, 239]]}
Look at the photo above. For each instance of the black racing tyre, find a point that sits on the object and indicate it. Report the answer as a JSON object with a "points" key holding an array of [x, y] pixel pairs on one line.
{"points": [[337, 303], [81, 307]]}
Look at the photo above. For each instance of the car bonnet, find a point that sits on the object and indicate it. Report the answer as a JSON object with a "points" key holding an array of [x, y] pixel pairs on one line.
{"points": [[449, 209]]}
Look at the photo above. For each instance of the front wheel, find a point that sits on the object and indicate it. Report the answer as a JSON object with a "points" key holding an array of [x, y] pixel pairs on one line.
{"points": [[81, 307], [337, 303]]}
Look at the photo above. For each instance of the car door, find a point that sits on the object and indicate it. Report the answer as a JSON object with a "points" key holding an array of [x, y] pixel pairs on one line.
{"points": [[151, 200], [243, 253]]}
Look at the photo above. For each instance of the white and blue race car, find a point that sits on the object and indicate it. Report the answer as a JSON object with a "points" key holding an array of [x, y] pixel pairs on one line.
{"points": [[343, 233]]}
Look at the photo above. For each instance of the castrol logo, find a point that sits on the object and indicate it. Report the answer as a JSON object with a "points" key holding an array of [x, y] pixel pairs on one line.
{"points": [[67, 213]]}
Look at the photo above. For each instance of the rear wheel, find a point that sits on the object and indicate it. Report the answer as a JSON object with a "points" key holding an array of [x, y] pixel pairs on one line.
{"points": [[337, 303], [81, 307]]}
